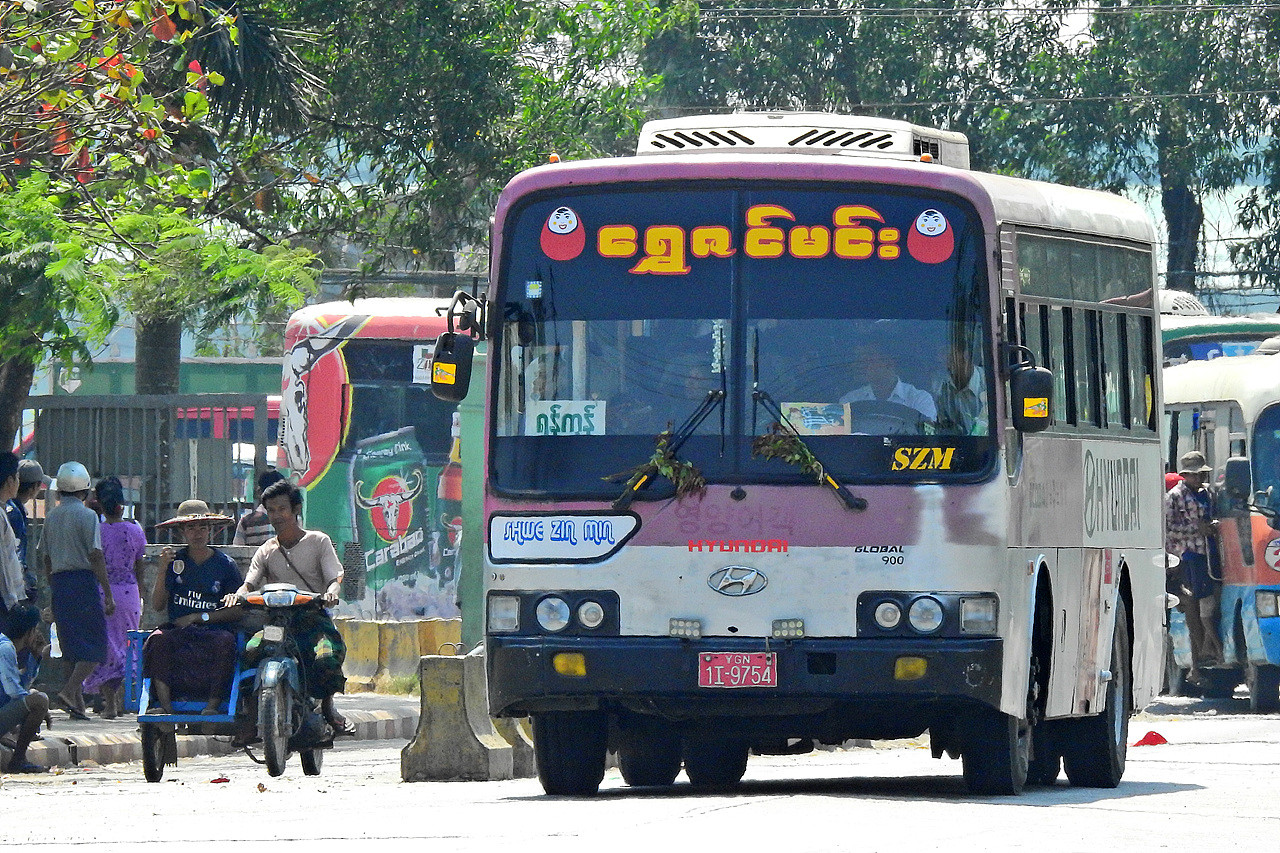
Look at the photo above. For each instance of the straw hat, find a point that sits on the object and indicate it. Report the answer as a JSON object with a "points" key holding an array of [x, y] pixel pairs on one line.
{"points": [[194, 511], [1193, 463]]}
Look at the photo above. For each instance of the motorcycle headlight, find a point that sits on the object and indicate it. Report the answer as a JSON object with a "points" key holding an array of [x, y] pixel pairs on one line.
{"points": [[279, 598], [553, 614]]}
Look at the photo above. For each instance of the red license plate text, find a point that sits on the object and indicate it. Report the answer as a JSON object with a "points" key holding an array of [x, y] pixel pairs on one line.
{"points": [[737, 669]]}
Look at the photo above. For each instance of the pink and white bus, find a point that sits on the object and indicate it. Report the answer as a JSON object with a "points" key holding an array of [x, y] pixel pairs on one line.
{"points": [[800, 430]]}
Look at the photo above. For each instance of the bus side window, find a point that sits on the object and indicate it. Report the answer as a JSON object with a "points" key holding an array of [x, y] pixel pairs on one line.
{"points": [[1141, 382], [1064, 388], [1113, 371]]}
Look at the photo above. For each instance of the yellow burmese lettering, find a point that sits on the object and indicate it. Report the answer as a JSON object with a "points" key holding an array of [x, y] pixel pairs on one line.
{"points": [[708, 240], [762, 239], [664, 251], [616, 241], [810, 242]]}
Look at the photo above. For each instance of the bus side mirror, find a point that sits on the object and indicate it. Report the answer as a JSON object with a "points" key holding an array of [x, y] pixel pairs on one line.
{"points": [[1237, 480], [451, 366], [1030, 390]]}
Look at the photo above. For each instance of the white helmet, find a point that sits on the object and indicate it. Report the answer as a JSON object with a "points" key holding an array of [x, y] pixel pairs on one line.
{"points": [[72, 477]]}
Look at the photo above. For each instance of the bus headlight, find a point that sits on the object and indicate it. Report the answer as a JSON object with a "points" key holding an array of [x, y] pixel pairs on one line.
{"points": [[979, 615], [925, 615], [504, 613], [888, 615], [590, 614], [553, 614], [1265, 602]]}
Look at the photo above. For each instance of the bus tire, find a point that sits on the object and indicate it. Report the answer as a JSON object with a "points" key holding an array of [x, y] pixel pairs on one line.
{"points": [[570, 748], [1264, 688], [649, 758], [1094, 748], [997, 753], [715, 763], [1045, 763]]}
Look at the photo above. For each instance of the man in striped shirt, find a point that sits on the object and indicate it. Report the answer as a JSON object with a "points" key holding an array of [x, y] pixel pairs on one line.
{"points": [[253, 527]]}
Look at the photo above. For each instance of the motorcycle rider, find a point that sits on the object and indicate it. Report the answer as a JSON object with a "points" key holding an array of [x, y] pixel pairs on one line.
{"points": [[306, 559]]}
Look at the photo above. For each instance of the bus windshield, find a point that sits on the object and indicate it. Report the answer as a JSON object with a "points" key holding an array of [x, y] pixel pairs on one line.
{"points": [[859, 316], [1266, 453]]}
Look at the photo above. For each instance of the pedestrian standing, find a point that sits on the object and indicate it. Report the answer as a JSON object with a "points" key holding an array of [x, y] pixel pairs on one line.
{"points": [[31, 482], [254, 527], [124, 547], [1189, 528], [13, 590], [71, 555]]}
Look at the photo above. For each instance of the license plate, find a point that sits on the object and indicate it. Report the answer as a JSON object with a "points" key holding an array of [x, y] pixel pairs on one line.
{"points": [[273, 633], [738, 669]]}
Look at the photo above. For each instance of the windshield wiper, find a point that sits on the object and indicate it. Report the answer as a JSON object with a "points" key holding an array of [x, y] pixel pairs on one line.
{"points": [[668, 445], [808, 462]]}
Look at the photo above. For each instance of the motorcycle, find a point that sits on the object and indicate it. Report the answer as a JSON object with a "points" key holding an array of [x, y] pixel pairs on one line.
{"points": [[268, 695], [289, 718]]}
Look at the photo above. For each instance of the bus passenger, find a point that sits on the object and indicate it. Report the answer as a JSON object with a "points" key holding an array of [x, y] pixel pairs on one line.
{"points": [[961, 395], [872, 356], [1189, 524], [193, 655]]}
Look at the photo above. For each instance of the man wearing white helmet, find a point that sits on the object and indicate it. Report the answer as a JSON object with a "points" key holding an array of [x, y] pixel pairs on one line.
{"points": [[71, 556]]}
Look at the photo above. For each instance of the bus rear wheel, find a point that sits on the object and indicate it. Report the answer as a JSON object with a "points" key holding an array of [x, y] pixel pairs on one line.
{"points": [[997, 753], [1094, 748], [570, 748], [715, 763]]}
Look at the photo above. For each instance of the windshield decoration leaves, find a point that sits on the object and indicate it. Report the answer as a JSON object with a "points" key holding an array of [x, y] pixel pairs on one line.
{"points": [[685, 476]]}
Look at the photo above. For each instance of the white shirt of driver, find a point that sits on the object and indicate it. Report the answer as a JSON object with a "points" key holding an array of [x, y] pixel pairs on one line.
{"points": [[903, 394]]}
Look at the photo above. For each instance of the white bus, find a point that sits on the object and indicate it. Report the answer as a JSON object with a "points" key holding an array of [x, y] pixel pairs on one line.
{"points": [[829, 538]]}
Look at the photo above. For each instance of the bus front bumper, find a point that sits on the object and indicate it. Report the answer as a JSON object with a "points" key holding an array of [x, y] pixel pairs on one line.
{"points": [[813, 674]]}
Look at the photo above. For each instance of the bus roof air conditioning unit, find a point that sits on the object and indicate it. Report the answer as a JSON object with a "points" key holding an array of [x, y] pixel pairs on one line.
{"points": [[804, 133]]}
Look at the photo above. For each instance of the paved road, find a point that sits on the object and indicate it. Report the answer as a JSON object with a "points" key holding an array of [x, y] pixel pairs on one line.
{"points": [[1212, 788]]}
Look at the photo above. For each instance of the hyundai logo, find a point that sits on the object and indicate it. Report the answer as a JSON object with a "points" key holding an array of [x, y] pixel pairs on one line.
{"points": [[737, 581]]}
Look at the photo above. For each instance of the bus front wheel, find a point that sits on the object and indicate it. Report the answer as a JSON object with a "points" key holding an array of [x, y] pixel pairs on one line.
{"points": [[715, 763], [1094, 748], [570, 748], [997, 753]]}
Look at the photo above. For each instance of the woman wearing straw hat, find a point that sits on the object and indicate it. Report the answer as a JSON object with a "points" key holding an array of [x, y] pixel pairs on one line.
{"points": [[193, 654]]}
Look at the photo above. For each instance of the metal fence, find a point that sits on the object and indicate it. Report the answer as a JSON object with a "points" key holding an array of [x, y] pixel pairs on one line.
{"points": [[164, 448]]}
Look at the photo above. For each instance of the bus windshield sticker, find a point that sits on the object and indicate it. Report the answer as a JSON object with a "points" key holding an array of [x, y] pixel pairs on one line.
{"points": [[856, 232], [422, 364], [565, 417], [818, 418], [567, 537], [932, 239]]}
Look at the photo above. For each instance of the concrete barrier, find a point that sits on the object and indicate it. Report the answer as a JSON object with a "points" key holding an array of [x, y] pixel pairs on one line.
{"points": [[398, 652], [456, 740], [523, 764], [363, 652], [439, 636]]}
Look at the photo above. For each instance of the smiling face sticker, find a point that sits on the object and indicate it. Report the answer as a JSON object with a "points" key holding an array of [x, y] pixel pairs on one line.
{"points": [[563, 236], [931, 240]]}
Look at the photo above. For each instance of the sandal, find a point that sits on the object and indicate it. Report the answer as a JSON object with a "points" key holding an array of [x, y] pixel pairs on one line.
{"points": [[342, 727], [72, 711]]}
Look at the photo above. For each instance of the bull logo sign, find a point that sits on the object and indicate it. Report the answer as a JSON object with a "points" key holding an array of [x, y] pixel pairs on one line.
{"points": [[390, 504]]}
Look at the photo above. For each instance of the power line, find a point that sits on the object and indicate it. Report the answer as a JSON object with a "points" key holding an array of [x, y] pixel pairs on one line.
{"points": [[723, 9]]}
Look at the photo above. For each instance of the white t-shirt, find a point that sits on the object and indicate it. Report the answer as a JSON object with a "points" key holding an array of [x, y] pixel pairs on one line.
{"points": [[314, 566], [902, 394]]}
